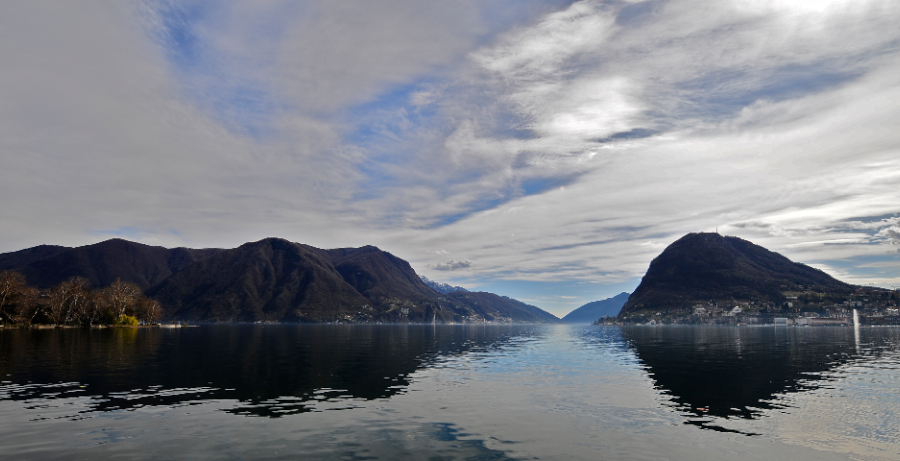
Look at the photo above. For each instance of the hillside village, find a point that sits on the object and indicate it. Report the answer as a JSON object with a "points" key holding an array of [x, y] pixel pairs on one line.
{"points": [[874, 306]]}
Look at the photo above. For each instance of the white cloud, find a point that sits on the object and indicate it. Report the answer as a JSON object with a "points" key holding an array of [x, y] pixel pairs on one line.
{"points": [[337, 55], [96, 136], [785, 173], [572, 145], [452, 265], [540, 50], [890, 234]]}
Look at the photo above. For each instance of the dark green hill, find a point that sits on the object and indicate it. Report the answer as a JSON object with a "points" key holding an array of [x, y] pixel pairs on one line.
{"points": [[592, 311], [707, 267]]}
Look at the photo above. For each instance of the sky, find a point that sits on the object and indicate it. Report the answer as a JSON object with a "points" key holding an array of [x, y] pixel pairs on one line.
{"points": [[542, 150]]}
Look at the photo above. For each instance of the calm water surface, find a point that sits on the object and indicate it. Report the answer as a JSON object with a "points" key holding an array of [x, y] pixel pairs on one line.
{"points": [[451, 393]]}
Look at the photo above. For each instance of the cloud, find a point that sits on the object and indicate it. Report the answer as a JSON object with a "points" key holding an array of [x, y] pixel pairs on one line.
{"points": [[800, 174], [891, 234], [584, 86], [452, 265], [97, 134], [551, 142]]}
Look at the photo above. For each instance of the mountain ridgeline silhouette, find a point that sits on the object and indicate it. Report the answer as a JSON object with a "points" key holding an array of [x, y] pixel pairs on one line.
{"points": [[101, 263], [271, 280], [701, 267]]}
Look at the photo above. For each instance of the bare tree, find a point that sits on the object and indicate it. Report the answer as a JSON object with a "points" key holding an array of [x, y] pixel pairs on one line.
{"points": [[122, 297], [92, 307], [79, 289], [12, 289], [64, 301], [148, 310], [73, 301], [29, 304], [55, 304]]}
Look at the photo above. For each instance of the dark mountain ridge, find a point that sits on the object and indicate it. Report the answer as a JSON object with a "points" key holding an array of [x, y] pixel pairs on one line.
{"points": [[277, 280], [102, 263], [701, 267], [268, 280], [378, 274], [271, 280], [18, 259]]}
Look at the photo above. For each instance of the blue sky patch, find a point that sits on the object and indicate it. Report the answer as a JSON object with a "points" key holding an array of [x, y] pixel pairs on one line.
{"points": [[213, 78]]}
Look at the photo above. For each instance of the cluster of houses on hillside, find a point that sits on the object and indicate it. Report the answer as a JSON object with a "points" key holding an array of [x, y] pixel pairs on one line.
{"points": [[873, 308]]}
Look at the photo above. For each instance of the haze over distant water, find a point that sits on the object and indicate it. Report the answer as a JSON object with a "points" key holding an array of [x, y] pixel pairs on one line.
{"points": [[544, 150]]}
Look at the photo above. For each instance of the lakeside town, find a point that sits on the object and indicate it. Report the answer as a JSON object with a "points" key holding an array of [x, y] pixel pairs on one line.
{"points": [[874, 306]]}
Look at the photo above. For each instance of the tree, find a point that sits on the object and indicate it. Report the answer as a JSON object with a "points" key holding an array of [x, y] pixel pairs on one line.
{"points": [[92, 307], [127, 320], [73, 301], [12, 295], [29, 305], [148, 310], [79, 289], [55, 305], [122, 297], [65, 301]]}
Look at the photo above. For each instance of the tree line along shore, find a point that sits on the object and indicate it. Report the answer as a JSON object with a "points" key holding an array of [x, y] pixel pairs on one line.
{"points": [[74, 302]]}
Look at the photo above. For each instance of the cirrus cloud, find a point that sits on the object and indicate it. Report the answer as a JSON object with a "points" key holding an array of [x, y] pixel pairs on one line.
{"points": [[553, 142]]}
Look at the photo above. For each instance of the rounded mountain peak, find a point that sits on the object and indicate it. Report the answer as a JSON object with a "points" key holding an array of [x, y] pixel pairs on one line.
{"points": [[709, 266]]}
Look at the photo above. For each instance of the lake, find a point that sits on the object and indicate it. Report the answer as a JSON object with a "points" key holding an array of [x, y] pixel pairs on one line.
{"points": [[374, 392]]}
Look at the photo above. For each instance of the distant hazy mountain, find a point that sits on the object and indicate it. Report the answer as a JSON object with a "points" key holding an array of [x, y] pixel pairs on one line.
{"points": [[707, 266], [101, 263], [441, 287], [270, 280], [592, 311]]}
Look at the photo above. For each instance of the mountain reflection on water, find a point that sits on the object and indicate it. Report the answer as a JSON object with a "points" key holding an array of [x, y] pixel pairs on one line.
{"points": [[726, 372], [272, 370], [450, 393]]}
